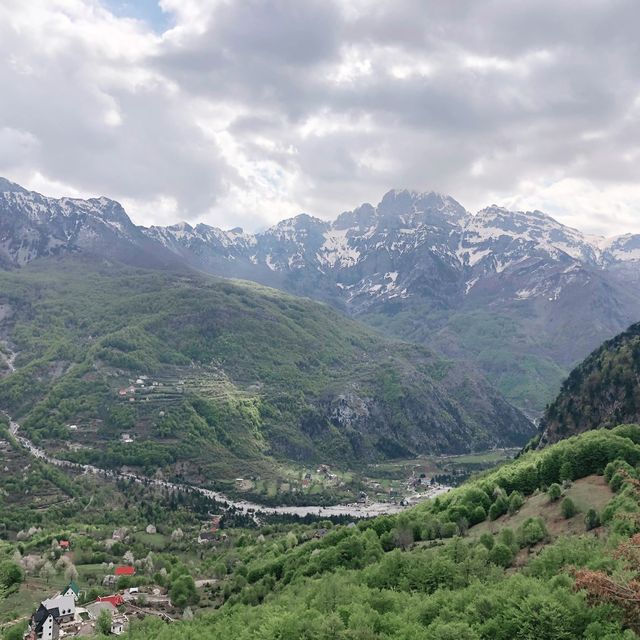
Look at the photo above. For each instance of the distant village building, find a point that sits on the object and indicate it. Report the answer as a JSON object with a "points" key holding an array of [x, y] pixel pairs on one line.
{"points": [[109, 581], [119, 623], [125, 570], [116, 600], [126, 438], [119, 534], [151, 528]]}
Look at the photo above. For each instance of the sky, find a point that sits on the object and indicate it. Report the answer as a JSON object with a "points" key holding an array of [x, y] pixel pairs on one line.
{"points": [[245, 112]]}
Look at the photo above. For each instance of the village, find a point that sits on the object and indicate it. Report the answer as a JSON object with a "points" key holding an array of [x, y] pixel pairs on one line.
{"points": [[122, 594], [131, 583]]}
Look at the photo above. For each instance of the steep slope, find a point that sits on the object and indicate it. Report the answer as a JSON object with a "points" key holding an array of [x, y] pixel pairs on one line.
{"points": [[601, 392], [223, 375], [517, 295]]}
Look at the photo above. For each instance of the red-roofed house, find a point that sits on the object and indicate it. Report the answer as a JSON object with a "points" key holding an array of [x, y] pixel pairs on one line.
{"points": [[64, 544], [116, 600], [125, 571]]}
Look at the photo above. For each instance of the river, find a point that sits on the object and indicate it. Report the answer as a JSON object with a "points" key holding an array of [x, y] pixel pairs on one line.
{"points": [[368, 510]]}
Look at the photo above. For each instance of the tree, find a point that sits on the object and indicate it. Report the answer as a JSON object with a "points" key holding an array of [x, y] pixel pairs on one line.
{"points": [[71, 573], [532, 531], [478, 515], [554, 492], [592, 519], [10, 574], [566, 471], [498, 508], [568, 508], [48, 571], [516, 500], [501, 555], [487, 540], [183, 591], [104, 621]]}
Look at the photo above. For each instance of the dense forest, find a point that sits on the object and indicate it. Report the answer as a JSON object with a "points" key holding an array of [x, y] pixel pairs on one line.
{"points": [[602, 391]]}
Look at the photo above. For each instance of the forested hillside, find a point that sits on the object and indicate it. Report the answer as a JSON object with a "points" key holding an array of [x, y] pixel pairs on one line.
{"points": [[119, 366], [455, 568], [601, 392]]}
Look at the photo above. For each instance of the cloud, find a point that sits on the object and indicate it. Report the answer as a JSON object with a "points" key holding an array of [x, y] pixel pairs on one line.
{"points": [[246, 112]]}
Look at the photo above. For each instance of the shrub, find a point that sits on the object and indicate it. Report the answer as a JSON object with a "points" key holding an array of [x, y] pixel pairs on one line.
{"points": [[487, 540], [501, 555], [592, 519], [498, 508], [532, 531], [568, 508], [554, 492], [516, 500]]}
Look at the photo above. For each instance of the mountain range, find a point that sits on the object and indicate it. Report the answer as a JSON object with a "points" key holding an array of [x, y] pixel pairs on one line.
{"points": [[515, 294]]}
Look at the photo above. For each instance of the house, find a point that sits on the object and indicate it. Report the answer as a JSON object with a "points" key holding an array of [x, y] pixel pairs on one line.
{"points": [[125, 570], [109, 581], [72, 590], [116, 600], [62, 607], [126, 438], [53, 612], [122, 392], [119, 624], [64, 544], [73, 427], [43, 625]]}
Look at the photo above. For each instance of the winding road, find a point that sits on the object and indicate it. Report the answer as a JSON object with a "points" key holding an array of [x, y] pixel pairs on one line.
{"points": [[368, 510]]}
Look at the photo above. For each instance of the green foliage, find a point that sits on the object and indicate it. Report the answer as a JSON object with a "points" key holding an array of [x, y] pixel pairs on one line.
{"points": [[531, 531], [502, 555], [568, 508], [11, 574], [554, 492], [516, 500], [103, 623], [487, 540], [591, 519]]}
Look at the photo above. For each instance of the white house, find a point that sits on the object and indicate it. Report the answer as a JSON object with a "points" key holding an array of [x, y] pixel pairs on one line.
{"points": [[46, 621]]}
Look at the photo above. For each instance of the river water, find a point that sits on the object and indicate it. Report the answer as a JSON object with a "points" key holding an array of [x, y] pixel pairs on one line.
{"points": [[368, 510]]}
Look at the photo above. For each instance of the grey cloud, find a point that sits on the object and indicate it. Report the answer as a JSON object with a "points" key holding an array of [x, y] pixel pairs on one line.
{"points": [[517, 90]]}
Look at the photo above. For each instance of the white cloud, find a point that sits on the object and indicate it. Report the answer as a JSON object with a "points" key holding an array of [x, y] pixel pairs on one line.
{"points": [[246, 112]]}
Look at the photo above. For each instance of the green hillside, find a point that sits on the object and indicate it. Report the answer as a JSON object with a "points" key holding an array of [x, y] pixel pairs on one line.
{"points": [[223, 375], [426, 574], [602, 391], [515, 353], [542, 548]]}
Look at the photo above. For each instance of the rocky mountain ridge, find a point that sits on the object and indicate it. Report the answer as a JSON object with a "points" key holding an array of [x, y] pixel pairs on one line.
{"points": [[417, 265]]}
